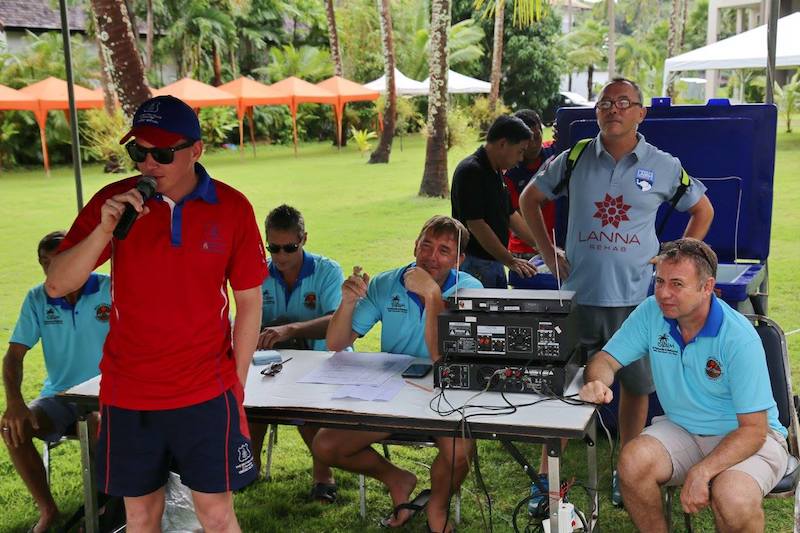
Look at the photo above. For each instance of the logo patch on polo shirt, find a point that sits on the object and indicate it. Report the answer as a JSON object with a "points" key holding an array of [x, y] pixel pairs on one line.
{"points": [[397, 306], [644, 179], [268, 298], [52, 316], [612, 210], [102, 312], [713, 368], [665, 345], [212, 240], [310, 300]]}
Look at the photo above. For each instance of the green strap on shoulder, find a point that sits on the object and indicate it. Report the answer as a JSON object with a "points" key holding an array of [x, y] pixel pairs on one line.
{"points": [[685, 181], [574, 155]]}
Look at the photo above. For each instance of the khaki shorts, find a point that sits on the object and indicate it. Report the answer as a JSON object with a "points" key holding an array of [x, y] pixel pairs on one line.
{"points": [[766, 466]]}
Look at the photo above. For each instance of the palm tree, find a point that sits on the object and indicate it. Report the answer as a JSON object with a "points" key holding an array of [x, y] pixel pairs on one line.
{"points": [[584, 48], [677, 21], [434, 177], [307, 62], [333, 37], [122, 60], [612, 40], [463, 47], [384, 149]]}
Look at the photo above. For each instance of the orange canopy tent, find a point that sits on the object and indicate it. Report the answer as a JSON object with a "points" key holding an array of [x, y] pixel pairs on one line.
{"points": [[252, 93], [346, 91], [50, 94], [197, 94], [301, 92]]}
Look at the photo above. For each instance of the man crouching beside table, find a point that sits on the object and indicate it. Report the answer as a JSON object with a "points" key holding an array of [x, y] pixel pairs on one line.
{"points": [[720, 437], [407, 301]]}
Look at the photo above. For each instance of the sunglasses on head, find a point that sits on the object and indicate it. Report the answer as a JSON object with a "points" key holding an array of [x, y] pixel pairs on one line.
{"points": [[163, 156], [672, 248], [287, 248]]}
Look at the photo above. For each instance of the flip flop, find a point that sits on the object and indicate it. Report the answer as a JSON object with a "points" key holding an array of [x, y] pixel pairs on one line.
{"points": [[324, 492], [415, 506]]}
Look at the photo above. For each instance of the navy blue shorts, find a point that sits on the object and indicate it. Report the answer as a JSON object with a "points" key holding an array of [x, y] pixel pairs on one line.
{"points": [[207, 444]]}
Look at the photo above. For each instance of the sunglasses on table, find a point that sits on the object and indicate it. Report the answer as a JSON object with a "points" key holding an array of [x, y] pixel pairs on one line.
{"points": [[163, 156], [272, 369], [287, 248]]}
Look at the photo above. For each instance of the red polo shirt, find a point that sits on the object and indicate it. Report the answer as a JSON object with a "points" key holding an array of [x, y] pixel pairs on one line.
{"points": [[169, 343]]}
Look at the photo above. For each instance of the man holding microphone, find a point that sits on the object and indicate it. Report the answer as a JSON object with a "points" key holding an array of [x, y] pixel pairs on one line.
{"points": [[173, 370]]}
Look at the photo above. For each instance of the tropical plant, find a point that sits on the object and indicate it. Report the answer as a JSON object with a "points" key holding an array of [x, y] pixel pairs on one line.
{"points": [[333, 38], [638, 60], [8, 130], [384, 149], [463, 48], [362, 138], [482, 115], [307, 62], [460, 129], [42, 56], [584, 48], [434, 176], [101, 139], [216, 124], [788, 98]]}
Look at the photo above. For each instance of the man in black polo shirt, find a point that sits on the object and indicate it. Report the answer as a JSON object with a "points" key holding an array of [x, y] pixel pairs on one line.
{"points": [[481, 202]]}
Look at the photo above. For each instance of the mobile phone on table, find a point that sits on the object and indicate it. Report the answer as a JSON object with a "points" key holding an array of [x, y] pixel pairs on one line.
{"points": [[417, 370]]}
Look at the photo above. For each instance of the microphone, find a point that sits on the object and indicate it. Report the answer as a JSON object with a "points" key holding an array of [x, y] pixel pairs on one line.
{"points": [[147, 187]]}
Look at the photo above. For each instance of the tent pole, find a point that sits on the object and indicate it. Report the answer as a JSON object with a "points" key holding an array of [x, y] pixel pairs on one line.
{"points": [[774, 8], [73, 111], [250, 111]]}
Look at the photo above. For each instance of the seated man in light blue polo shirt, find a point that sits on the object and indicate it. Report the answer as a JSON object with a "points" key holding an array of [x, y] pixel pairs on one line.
{"points": [[407, 302], [299, 297], [720, 438], [72, 330]]}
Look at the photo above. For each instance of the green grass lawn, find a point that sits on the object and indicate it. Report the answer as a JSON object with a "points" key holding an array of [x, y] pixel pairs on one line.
{"points": [[359, 214]]}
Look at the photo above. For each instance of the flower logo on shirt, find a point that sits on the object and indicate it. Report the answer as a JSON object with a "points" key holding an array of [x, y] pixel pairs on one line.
{"points": [[713, 368], [612, 210], [310, 300]]}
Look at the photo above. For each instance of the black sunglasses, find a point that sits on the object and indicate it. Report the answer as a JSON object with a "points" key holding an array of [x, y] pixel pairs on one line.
{"points": [[288, 248], [672, 248], [163, 156]]}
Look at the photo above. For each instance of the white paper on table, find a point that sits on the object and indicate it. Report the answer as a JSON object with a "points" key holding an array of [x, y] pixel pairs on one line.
{"points": [[383, 393], [354, 368]]}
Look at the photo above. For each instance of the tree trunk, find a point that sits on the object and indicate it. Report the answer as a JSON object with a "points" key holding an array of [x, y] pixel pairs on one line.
{"points": [[384, 149], [434, 177], [122, 59], [497, 53], [612, 41], [673, 37], [333, 38], [105, 81], [217, 65], [148, 56], [590, 81]]}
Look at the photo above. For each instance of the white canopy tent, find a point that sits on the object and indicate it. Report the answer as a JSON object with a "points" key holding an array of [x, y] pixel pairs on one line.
{"points": [[402, 84], [746, 50], [461, 84]]}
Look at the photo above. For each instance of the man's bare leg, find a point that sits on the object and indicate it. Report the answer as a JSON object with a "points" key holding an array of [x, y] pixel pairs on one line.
{"points": [[632, 415], [29, 465], [143, 513], [352, 451], [448, 472], [322, 472], [736, 502], [644, 465], [215, 512]]}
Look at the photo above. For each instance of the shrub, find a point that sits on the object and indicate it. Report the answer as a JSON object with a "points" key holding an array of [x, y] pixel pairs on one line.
{"points": [[362, 138], [102, 134], [217, 123]]}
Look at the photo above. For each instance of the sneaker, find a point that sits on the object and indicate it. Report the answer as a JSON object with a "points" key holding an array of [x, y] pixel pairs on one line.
{"points": [[539, 504], [616, 494]]}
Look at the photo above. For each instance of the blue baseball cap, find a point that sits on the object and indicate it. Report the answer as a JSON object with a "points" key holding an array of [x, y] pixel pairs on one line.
{"points": [[164, 120]]}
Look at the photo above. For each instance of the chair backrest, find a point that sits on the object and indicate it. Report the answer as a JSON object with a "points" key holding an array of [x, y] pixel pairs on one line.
{"points": [[774, 343]]}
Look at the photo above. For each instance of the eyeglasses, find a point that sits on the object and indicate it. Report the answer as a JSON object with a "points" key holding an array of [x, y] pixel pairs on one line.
{"points": [[688, 247], [163, 156], [622, 103], [273, 369], [287, 248]]}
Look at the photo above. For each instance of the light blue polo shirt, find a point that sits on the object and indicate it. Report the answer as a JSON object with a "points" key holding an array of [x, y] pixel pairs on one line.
{"points": [[612, 212], [317, 292], [72, 337], [401, 312], [704, 384]]}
